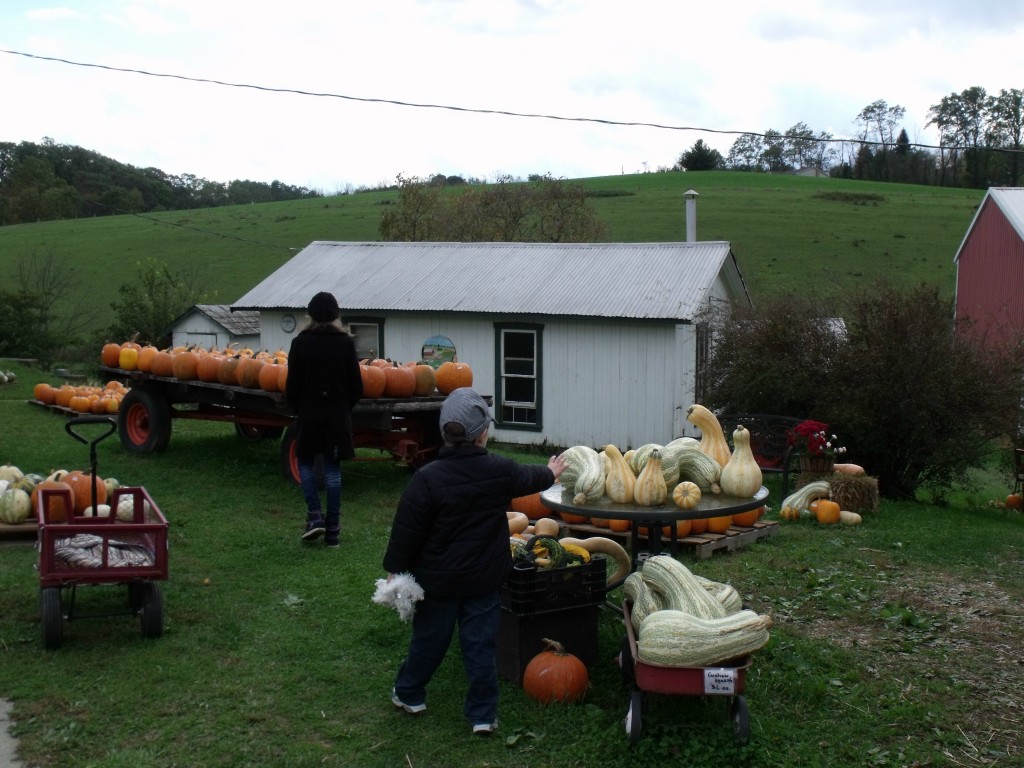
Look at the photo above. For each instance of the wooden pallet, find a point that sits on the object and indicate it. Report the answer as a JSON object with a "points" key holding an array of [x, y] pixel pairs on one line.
{"points": [[701, 545], [24, 531]]}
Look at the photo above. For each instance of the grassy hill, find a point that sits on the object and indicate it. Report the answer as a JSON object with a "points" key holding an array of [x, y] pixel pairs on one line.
{"points": [[788, 233]]}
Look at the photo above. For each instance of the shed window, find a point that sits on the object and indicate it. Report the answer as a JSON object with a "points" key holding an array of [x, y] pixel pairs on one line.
{"points": [[518, 397], [369, 336]]}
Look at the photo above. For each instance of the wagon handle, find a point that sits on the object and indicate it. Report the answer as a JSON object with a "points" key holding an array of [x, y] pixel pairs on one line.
{"points": [[69, 427]]}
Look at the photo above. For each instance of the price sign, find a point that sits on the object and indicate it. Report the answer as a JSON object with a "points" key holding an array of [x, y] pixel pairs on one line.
{"points": [[720, 681]]}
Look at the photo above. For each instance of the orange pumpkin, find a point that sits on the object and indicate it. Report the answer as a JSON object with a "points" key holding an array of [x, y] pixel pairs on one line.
{"points": [[282, 377], [719, 524], [80, 485], [227, 373], [208, 366], [184, 365], [825, 511], [249, 372], [747, 519], [110, 354], [452, 375], [426, 379], [571, 518], [698, 526], [269, 376], [529, 505], [399, 381], [1014, 501], [373, 380], [58, 505], [620, 526], [683, 528], [555, 675], [162, 364]]}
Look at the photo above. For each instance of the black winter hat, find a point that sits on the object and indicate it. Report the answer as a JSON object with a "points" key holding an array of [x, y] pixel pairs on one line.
{"points": [[323, 308]]}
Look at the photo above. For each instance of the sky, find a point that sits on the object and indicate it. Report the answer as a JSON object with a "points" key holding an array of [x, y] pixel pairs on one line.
{"points": [[634, 83]]}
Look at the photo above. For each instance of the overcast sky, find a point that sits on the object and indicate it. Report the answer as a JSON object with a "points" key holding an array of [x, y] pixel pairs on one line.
{"points": [[722, 67]]}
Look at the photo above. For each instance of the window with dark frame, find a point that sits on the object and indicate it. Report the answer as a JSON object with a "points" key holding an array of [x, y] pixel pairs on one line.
{"points": [[519, 365], [368, 335]]}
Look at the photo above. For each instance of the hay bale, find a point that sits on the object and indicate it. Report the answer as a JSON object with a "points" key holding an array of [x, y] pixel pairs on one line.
{"points": [[856, 494]]}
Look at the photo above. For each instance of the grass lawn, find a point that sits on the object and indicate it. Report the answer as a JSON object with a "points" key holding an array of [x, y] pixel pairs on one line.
{"points": [[895, 643]]}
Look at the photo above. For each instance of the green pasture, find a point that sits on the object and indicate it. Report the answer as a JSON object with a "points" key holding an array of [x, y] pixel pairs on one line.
{"points": [[789, 234]]}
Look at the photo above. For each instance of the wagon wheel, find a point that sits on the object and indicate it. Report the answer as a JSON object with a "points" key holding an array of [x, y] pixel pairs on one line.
{"points": [[136, 594], [52, 616], [625, 660], [740, 716], [253, 433], [151, 611], [634, 715], [144, 422]]}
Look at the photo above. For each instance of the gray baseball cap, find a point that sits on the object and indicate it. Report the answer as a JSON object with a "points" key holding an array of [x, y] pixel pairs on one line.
{"points": [[464, 406]]}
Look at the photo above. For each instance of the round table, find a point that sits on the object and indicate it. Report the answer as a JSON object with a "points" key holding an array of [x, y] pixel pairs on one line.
{"points": [[556, 498]]}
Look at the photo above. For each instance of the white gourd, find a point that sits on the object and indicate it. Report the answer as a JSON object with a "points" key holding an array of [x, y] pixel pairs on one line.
{"points": [[679, 639], [584, 475], [741, 476]]}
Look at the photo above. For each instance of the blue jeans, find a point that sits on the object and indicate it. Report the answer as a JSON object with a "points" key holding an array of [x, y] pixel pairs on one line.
{"points": [[332, 489], [432, 627]]}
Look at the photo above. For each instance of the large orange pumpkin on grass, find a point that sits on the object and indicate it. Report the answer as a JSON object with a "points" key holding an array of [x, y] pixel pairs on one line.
{"points": [[555, 675], [452, 375], [825, 511]]}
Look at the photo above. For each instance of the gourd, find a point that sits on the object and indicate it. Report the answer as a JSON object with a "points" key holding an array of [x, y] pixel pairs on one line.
{"points": [[678, 587], [645, 600], [825, 511], [650, 489], [575, 552], [854, 470], [699, 468], [849, 518], [15, 506], [554, 675], [679, 639], [741, 476], [545, 526], [517, 521], [547, 552], [600, 545], [686, 495], [801, 498], [584, 475], [726, 594], [712, 437], [620, 480]]}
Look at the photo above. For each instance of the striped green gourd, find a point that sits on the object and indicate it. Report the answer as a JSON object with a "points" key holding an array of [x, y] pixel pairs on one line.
{"points": [[679, 589], [680, 639]]}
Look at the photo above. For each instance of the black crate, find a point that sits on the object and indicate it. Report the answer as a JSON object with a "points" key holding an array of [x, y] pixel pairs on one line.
{"points": [[555, 589], [520, 638]]}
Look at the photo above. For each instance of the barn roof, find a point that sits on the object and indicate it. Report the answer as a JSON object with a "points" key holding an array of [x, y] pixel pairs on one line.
{"points": [[1010, 201], [236, 323], [634, 280]]}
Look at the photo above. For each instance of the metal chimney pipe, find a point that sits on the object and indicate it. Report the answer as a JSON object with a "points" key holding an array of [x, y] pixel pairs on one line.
{"points": [[691, 215]]}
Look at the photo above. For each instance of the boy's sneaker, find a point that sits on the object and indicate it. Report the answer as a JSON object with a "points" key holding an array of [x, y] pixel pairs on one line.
{"points": [[314, 530], [412, 709], [332, 537], [485, 729]]}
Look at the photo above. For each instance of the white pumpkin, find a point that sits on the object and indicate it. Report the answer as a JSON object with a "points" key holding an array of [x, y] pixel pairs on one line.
{"points": [[126, 509], [15, 506], [102, 510], [10, 473]]}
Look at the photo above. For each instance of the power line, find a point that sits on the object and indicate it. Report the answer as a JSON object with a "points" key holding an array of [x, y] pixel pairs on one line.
{"points": [[473, 110]]}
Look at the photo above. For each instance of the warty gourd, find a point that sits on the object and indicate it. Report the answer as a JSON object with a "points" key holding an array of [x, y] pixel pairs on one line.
{"points": [[679, 639]]}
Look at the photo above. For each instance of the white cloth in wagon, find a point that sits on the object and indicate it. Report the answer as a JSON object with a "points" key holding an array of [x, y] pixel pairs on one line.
{"points": [[85, 550]]}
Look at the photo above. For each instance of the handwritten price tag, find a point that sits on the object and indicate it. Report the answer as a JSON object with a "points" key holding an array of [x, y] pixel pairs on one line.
{"points": [[720, 681]]}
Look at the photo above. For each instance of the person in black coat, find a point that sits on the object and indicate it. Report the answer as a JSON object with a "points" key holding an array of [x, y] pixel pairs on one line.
{"points": [[324, 384], [450, 532]]}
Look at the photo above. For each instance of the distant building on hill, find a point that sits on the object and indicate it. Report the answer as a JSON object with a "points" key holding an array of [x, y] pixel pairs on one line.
{"points": [[990, 267], [209, 325]]}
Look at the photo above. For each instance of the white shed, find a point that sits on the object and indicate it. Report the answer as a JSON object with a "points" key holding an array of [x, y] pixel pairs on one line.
{"points": [[580, 343], [209, 325]]}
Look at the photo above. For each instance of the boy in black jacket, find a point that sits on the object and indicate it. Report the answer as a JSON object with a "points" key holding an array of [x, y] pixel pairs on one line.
{"points": [[451, 532]]}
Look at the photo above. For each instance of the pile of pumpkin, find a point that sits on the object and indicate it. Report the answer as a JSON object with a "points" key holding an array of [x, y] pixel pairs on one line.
{"points": [[83, 398], [268, 371], [19, 495]]}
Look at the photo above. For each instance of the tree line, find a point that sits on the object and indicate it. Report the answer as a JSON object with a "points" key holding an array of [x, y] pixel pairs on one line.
{"points": [[980, 145], [42, 182]]}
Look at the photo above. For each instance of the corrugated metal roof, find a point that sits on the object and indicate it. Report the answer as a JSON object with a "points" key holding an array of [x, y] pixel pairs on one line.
{"points": [[635, 280], [1010, 201], [238, 323]]}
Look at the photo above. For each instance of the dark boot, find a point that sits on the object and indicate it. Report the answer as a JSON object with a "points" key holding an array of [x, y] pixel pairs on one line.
{"points": [[314, 526]]}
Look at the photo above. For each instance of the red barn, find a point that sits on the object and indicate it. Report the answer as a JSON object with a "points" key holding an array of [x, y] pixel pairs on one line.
{"points": [[990, 267]]}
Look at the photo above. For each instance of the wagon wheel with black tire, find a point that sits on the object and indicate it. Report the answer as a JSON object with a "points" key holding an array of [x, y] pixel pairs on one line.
{"points": [[254, 433], [144, 422], [151, 609], [634, 715], [52, 616], [739, 714], [626, 663]]}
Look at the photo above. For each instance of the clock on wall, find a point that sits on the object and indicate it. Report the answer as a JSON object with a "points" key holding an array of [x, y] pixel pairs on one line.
{"points": [[288, 323]]}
